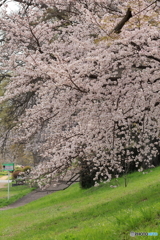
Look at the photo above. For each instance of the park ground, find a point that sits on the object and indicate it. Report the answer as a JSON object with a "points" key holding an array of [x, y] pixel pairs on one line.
{"points": [[107, 212]]}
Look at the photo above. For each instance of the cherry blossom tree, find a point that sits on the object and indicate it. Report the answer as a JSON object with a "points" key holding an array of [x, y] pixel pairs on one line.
{"points": [[84, 84]]}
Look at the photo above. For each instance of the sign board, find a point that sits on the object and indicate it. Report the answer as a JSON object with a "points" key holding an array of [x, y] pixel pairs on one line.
{"points": [[8, 166]]}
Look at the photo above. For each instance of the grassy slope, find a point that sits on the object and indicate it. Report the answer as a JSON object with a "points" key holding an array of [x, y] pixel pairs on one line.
{"points": [[95, 214], [14, 194]]}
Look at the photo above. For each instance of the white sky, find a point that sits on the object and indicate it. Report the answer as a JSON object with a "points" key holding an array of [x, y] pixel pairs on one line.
{"points": [[12, 6]]}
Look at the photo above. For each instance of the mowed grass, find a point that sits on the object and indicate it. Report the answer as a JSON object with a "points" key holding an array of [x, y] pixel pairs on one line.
{"points": [[98, 213], [3, 173], [14, 193]]}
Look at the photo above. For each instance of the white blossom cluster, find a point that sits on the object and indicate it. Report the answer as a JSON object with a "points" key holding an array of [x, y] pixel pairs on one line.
{"points": [[88, 95]]}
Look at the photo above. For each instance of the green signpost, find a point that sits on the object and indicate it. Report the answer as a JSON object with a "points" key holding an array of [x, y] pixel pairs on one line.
{"points": [[8, 167]]}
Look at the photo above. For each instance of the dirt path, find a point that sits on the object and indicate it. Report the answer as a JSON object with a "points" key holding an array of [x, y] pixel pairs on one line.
{"points": [[3, 185]]}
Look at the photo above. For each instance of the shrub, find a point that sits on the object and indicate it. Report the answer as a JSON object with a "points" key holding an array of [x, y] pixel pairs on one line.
{"points": [[18, 168], [15, 174], [26, 169]]}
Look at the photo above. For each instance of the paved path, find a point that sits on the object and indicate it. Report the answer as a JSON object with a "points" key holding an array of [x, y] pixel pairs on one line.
{"points": [[36, 194]]}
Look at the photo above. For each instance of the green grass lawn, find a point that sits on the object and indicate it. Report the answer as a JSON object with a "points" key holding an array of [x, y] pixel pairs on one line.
{"points": [[3, 173], [14, 193], [98, 213]]}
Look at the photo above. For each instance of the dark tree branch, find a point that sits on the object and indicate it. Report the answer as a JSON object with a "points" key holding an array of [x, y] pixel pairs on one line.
{"points": [[125, 19], [154, 58], [2, 2], [76, 86], [135, 45]]}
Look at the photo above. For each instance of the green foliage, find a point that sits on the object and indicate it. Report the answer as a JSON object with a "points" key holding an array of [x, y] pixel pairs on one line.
{"points": [[18, 168], [4, 173], [26, 169]]}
